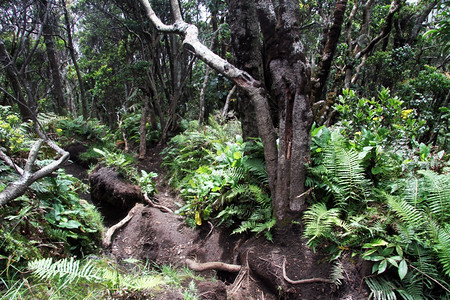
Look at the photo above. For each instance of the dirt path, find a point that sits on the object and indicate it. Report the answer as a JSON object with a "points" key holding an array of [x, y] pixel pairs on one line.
{"points": [[266, 267]]}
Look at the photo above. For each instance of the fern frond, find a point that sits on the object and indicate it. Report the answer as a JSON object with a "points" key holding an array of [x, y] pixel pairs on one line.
{"points": [[381, 289], [408, 213], [337, 272], [438, 188], [257, 167], [68, 270], [345, 173], [319, 222], [443, 248]]}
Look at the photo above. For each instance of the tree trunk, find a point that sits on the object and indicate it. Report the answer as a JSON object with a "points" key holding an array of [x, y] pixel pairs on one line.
{"points": [[143, 131], [327, 56], [246, 44], [284, 56], [75, 62], [48, 32]]}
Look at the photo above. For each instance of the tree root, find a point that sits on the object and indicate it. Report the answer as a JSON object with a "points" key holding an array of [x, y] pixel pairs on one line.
{"points": [[301, 281], [215, 265], [153, 204], [107, 237]]}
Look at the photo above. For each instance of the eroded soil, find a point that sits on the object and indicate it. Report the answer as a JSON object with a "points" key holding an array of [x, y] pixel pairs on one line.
{"points": [[164, 238]]}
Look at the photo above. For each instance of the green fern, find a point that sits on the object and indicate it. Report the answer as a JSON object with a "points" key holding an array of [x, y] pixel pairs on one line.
{"points": [[406, 212], [67, 270], [319, 223], [337, 272], [345, 173], [438, 198], [443, 248], [381, 289]]}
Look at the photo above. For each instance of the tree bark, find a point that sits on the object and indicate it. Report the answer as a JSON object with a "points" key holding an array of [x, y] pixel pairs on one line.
{"points": [[327, 56], [48, 33], [143, 131], [290, 78], [74, 61], [247, 48]]}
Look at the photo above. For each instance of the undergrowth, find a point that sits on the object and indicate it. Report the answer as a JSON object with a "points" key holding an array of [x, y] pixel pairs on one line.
{"points": [[384, 200], [220, 177]]}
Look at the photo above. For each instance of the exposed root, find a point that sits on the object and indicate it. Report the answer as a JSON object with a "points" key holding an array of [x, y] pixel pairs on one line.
{"points": [[244, 272], [215, 265], [310, 280], [107, 237], [153, 204]]}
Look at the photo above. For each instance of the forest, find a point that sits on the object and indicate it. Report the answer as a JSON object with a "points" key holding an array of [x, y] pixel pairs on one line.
{"points": [[224, 149]]}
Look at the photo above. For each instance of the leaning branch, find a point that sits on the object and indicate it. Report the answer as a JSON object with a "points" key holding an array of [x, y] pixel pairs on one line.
{"points": [[18, 188], [241, 78]]}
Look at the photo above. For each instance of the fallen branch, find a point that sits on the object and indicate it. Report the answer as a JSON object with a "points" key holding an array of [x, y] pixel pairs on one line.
{"points": [[301, 281], [18, 188], [212, 266], [107, 237], [153, 204]]}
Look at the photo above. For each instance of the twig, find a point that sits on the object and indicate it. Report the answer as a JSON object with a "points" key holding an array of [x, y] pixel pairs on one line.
{"points": [[110, 232], [301, 281], [429, 277]]}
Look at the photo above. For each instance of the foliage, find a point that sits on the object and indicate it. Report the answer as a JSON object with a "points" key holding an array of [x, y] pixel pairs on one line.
{"points": [[12, 131], [385, 200], [124, 165], [220, 176], [94, 278]]}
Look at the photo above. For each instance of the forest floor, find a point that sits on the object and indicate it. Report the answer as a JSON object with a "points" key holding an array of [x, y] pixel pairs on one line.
{"points": [[164, 238]]}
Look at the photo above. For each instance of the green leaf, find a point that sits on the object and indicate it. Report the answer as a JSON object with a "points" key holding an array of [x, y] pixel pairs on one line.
{"points": [[237, 155], [402, 269], [71, 224], [382, 266]]}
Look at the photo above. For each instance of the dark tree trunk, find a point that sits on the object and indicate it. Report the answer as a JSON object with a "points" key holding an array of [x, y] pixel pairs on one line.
{"points": [[75, 63], [243, 21], [48, 33], [329, 50], [290, 77]]}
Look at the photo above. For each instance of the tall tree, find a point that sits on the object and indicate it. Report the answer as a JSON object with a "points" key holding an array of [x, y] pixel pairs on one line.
{"points": [[290, 86], [49, 24]]}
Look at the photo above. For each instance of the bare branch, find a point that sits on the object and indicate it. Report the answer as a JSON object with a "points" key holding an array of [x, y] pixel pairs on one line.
{"points": [[10, 163], [18, 188]]}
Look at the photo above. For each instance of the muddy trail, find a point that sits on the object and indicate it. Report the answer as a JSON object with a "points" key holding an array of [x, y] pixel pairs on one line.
{"points": [[242, 266]]}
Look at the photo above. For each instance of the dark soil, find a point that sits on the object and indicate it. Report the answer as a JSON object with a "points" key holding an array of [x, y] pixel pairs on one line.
{"points": [[164, 238]]}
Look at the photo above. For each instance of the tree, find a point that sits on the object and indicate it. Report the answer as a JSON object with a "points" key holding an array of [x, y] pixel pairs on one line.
{"points": [[290, 87]]}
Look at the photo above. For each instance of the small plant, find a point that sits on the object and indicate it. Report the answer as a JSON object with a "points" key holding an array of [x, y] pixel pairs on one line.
{"points": [[220, 177]]}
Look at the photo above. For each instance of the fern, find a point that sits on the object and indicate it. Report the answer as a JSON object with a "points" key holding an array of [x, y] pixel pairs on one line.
{"points": [[443, 248], [337, 272], [407, 213], [68, 270], [381, 289], [319, 222], [438, 198], [345, 174]]}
